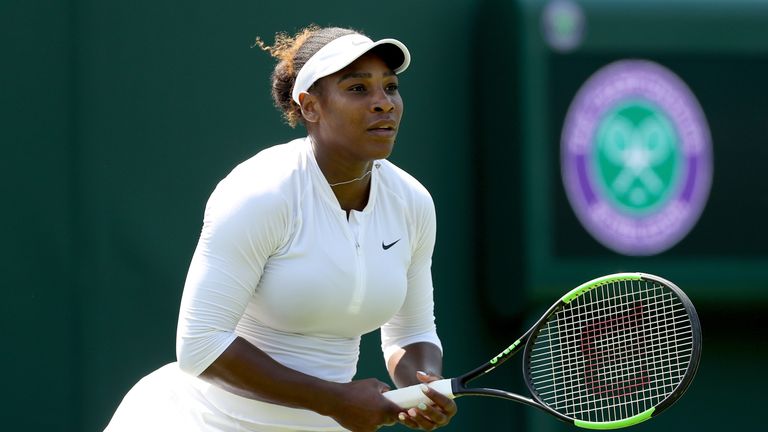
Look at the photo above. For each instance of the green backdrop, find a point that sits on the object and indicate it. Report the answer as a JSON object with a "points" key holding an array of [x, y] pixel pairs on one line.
{"points": [[118, 119]]}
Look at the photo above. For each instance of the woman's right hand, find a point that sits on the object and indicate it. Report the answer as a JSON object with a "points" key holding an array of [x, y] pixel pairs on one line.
{"points": [[361, 407]]}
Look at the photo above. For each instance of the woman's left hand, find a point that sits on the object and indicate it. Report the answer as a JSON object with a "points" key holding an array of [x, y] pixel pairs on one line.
{"points": [[432, 415]]}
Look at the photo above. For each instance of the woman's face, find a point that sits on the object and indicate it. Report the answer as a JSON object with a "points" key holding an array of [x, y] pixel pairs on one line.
{"points": [[359, 110]]}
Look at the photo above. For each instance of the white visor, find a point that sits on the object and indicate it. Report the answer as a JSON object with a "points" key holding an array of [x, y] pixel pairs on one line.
{"points": [[340, 53]]}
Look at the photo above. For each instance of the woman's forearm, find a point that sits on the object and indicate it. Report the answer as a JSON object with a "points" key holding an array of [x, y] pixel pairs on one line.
{"points": [[422, 356], [247, 371]]}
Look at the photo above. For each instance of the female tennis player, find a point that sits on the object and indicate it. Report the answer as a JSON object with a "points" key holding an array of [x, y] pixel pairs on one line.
{"points": [[304, 248]]}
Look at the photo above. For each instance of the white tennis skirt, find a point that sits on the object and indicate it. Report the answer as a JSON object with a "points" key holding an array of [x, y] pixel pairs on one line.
{"points": [[169, 400]]}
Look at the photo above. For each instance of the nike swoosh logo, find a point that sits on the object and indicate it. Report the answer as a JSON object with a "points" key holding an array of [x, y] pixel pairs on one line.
{"points": [[387, 246]]}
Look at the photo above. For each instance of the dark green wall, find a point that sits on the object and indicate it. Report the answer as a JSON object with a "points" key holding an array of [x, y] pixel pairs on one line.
{"points": [[38, 311], [118, 119]]}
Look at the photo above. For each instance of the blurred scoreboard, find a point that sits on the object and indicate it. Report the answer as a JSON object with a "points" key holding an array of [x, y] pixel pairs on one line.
{"points": [[642, 145]]}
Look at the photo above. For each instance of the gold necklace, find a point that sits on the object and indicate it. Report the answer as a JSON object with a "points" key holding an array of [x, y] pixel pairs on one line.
{"points": [[367, 173]]}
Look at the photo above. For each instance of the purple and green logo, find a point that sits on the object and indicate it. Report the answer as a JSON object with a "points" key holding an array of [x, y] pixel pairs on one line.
{"points": [[636, 157]]}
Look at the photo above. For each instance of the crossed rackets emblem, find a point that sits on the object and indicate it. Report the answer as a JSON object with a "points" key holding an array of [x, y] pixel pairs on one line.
{"points": [[637, 151]]}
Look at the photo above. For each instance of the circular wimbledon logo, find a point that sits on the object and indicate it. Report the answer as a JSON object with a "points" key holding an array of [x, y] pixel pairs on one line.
{"points": [[636, 157]]}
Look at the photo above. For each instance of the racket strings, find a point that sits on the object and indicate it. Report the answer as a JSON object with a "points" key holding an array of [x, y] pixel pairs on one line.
{"points": [[655, 365], [549, 356], [613, 352], [615, 386]]}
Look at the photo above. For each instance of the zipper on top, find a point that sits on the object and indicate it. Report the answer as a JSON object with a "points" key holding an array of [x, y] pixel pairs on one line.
{"points": [[359, 289]]}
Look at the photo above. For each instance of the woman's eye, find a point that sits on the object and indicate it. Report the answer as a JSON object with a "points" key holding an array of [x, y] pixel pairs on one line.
{"points": [[357, 88], [393, 88]]}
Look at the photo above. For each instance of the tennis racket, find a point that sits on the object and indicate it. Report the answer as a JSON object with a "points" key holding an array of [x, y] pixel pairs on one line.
{"points": [[611, 353]]}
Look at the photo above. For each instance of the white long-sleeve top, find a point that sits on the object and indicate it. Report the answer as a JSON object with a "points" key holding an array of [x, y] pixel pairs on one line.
{"points": [[280, 264]]}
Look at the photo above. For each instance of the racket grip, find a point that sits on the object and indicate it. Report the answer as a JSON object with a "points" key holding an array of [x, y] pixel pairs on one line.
{"points": [[409, 397]]}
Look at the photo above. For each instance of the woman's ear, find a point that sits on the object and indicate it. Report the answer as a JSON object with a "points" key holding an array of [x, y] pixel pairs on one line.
{"points": [[310, 108]]}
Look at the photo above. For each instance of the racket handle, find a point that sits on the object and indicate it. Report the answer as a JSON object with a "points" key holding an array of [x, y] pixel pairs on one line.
{"points": [[409, 397]]}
